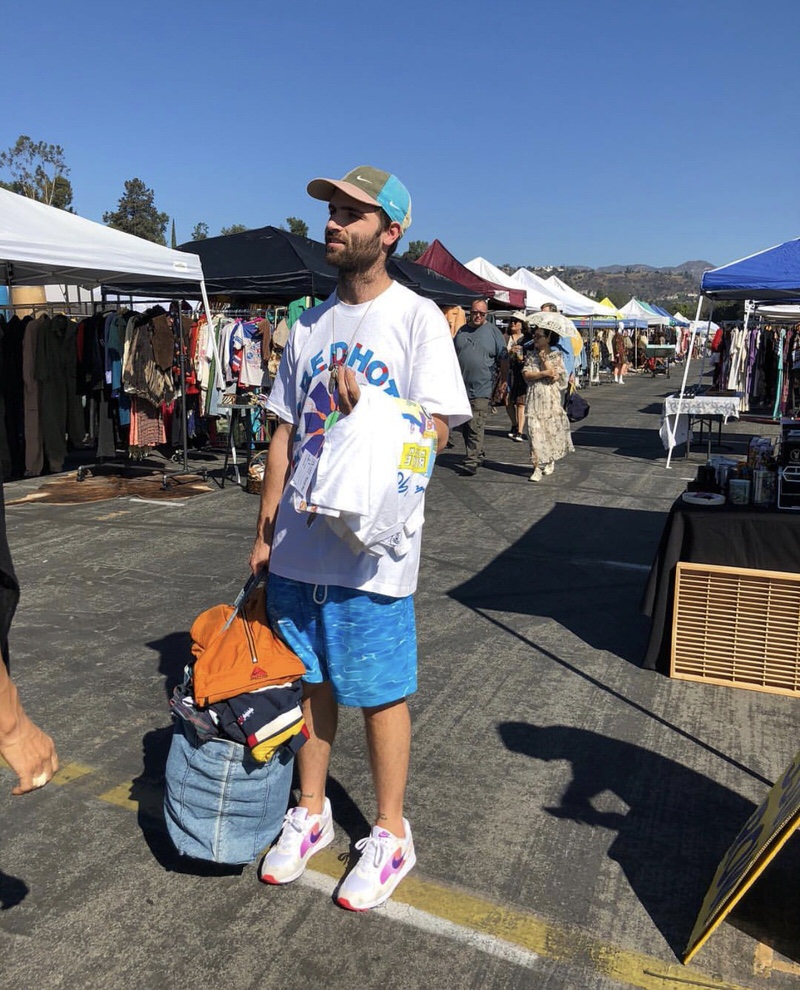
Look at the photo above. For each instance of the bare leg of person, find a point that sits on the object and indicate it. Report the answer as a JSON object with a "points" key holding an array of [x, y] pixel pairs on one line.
{"points": [[388, 730], [322, 717]]}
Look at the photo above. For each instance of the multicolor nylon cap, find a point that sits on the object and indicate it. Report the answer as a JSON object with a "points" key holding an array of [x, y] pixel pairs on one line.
{"points": [[369, 185]]}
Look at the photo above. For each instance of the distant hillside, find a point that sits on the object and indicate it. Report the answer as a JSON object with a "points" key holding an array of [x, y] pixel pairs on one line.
{"points": [[672, 287]]}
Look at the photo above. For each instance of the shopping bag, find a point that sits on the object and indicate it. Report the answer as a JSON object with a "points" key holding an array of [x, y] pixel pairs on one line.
{"points": [[576, 406], [220, 804]]}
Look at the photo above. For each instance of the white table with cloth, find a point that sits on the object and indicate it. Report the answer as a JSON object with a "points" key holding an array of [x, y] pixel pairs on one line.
{"points": [[704, 409]]}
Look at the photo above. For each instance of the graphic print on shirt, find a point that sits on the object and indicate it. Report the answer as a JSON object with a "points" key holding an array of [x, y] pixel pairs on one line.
{"points": [[361, 359]]}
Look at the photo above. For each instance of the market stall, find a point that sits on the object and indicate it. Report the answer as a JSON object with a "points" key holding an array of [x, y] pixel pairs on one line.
{"points": [[753, 542], [769, 276], [40, 245]]}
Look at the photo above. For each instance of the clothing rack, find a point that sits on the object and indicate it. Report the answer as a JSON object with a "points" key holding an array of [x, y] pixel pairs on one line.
{"points": [[52, 308]]}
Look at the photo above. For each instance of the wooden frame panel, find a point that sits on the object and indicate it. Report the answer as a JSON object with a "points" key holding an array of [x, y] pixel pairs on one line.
{"points": [[737, 627]]}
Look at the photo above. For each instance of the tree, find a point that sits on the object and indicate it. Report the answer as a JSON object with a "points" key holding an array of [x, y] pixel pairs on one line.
{"points": [[296, 226], [200, 232], [415, 250], [38, 171], [235, 228], [136, 213]]}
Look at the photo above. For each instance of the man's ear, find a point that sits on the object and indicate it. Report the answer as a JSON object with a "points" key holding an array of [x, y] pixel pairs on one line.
{"points": [[392, 234]]}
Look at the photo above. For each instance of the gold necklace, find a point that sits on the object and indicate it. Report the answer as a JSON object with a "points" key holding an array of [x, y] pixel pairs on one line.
{"points": [[333, 377]]}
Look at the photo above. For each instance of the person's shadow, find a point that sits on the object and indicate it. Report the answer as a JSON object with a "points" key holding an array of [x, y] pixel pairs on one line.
{"points": [[174, 653], [13, 891], [677, 828]]}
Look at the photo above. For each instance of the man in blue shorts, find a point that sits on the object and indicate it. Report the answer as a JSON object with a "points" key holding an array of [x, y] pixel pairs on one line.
{"points": [[349, 615]]}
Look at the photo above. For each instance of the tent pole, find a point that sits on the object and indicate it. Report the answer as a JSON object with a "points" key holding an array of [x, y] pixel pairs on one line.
{"points": [[671, 433], [178, 315]]}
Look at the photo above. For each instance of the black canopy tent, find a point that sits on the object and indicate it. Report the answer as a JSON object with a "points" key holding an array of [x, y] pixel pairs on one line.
{"points": [[276, 266]]}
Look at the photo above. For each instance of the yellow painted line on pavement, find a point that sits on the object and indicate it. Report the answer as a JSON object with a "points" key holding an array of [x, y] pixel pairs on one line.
{"points": [[547, 940], [121, 797], [765, 963], [70, 772], [65, 774], [471, 912]]}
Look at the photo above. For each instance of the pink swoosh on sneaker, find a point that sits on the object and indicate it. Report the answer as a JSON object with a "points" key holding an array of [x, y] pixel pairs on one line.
{"points": [[393, 865], [311, 839]]}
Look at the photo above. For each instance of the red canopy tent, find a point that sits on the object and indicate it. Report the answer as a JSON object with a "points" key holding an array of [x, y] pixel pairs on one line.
{"points": [[440, 260]]}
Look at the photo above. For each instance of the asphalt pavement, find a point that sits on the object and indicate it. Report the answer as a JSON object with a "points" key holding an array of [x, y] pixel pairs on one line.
{"points": [[569, 808]]}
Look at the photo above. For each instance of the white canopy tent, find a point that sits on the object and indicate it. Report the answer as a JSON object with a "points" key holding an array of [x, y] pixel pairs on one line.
{"points": [[537, 292], [633, 310], [580, 305], [486, 270], [40, 245]]}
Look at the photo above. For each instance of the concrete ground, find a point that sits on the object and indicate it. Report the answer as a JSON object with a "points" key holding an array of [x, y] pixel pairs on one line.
{"points": [[569, 808]]}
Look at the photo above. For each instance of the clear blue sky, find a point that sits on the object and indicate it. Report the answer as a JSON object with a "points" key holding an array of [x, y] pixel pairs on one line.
{"points": [[569, 132]]}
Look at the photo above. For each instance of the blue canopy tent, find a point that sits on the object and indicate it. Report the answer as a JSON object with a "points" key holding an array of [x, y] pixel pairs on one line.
{"points": [[770, 275], [773, 274]]}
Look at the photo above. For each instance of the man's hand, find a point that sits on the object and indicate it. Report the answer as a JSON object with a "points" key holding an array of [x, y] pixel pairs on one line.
{"points": [[349, 392], [30, 753], [259, 555]]}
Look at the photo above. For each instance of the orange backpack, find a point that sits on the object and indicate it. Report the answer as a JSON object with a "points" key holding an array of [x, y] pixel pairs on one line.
{"points": [[244, 657]]}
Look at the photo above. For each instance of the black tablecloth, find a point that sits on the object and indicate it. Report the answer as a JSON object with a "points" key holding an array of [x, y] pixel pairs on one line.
{"points": [[735, 537]]}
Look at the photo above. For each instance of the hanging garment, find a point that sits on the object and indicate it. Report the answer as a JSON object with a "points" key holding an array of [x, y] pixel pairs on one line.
{"points": [[34, 453], [13, 391], [55, 369]]}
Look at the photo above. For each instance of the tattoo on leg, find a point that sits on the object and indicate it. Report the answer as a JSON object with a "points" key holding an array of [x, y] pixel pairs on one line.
{"points": [[304, 795], [382, 817]]}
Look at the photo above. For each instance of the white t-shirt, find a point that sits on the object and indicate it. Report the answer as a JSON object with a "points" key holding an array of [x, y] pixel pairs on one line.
{"points": [[398, 342]]}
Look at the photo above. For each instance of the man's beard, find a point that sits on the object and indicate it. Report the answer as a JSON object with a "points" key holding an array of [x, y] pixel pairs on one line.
{"points": [[356, 255]]}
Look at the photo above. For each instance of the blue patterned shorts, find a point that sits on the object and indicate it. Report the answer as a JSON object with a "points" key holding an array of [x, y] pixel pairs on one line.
{"points": [[364, 644]]}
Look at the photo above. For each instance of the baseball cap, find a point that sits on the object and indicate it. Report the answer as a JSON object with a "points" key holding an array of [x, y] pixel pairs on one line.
{"points": [[369, 185]]}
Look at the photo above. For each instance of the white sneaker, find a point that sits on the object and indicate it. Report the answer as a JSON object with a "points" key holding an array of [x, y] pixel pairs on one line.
{"points": [[302, 836], [537, 475], [384, 861], [549, 468]]}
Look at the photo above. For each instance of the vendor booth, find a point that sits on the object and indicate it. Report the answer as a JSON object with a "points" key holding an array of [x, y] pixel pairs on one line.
{"points": [[40, 245], [723, 595]]}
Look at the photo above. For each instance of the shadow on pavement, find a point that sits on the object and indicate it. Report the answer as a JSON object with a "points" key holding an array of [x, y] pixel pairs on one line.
{"points": [[597, 599], [629, 442], [13, 891], [678, 825], [770, 911], [174, 652]]}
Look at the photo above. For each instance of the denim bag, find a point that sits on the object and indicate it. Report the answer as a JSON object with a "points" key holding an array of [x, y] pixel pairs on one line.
{"points": [[219, 803]]}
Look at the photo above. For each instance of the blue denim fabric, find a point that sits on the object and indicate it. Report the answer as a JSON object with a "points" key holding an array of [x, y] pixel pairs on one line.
{"points": [[219, 803]]}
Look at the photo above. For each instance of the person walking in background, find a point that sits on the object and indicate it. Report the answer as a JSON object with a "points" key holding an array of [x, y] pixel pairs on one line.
{"points": [[479, 347], [547, 424], [518, 334], [620, 357]]}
